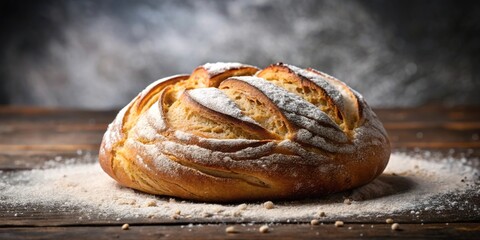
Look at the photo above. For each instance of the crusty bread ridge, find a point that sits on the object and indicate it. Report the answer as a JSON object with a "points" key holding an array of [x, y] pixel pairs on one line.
{"points": [[232, 132]]}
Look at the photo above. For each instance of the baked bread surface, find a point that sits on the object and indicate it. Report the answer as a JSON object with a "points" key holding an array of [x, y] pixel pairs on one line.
{"points": [[233, 132]]}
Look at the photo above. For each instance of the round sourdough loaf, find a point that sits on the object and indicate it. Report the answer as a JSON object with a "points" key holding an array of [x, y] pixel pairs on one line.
{"points": [[233, 132]]}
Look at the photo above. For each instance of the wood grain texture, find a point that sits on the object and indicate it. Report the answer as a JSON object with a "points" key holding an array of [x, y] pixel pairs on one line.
{"points": [[31, 136], [248, 231]]}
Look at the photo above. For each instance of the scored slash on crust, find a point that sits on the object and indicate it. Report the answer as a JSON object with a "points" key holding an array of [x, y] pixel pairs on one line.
{"points": [[280, 132]]}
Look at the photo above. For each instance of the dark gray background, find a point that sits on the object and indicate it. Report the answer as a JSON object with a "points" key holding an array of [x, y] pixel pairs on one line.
{"points": [[100, 54]]}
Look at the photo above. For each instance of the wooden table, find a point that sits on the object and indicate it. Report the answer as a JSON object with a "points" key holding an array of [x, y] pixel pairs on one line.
{"points": [[31, 136]]}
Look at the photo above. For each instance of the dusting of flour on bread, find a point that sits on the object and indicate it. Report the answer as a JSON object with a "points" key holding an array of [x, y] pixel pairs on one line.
{"points": [[220, 67], [216, 100]]}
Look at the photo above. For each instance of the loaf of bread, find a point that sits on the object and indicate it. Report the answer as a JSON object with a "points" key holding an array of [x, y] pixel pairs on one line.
{"points": [[233, 132]]}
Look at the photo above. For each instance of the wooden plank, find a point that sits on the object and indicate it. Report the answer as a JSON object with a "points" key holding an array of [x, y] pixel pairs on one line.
{"points": [[49, 114], [249, 231], [429, 113], [30, 136], [26, 160], [439, 135]]}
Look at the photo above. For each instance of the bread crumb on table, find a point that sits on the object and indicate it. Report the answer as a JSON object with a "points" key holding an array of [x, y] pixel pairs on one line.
{"points": [[231, 229], [263, 229], [389, 221], [338, 224], [314, 222], [396, 226], [125, 226], [268, 205]]}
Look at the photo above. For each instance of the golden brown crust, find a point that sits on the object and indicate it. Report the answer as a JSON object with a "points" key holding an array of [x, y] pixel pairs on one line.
{"points": [[225, 133], [285, 77], [205, 77], [238, 89]]}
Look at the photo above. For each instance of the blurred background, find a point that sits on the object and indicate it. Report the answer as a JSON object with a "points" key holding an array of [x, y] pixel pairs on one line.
{"points": [[100, 54]]}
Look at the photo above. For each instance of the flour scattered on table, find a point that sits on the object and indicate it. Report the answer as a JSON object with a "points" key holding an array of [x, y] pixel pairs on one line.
{"points": [[410, 185]]}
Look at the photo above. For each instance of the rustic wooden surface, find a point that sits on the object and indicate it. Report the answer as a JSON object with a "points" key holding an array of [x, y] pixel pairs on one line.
{"points": [[217, 231], [31, 136]]}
